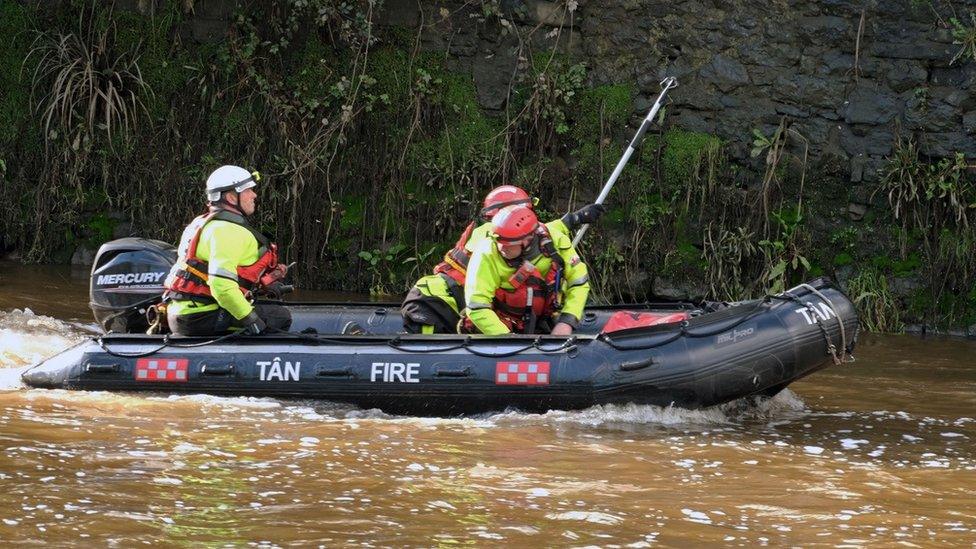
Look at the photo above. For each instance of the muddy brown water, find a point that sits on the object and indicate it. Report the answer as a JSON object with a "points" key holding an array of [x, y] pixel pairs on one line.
{"points": [[878, 453]]}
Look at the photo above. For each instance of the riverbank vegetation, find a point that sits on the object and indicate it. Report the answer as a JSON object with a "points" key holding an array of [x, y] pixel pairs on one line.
{"points": [[376, 153]]}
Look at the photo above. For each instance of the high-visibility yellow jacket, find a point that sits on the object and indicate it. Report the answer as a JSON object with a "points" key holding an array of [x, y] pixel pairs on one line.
{"points": [[224, 246], [488, 272], [435, 285]]}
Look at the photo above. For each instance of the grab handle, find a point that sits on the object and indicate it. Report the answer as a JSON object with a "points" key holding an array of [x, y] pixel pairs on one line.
{"points": [[217, 370], [102, 368], [637, 365], [335, 372], [453, 372]]}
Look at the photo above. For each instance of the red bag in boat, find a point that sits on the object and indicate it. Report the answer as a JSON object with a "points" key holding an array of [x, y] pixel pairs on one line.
{"points": [[625, 320]]}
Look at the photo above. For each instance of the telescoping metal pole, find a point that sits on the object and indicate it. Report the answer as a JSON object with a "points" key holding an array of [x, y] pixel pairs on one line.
{"points": [[666, 84]]}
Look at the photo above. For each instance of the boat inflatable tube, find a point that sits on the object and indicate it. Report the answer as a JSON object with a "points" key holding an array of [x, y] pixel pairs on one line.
{"points": [[673, 354]]}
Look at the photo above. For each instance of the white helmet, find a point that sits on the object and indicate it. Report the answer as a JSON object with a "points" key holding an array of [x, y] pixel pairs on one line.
{"points": [[226, 178]]}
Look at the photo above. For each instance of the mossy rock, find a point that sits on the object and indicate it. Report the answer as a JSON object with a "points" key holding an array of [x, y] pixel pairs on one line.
{"points": [[682, 151], [390, 68], [608, 106], [468, 139]]}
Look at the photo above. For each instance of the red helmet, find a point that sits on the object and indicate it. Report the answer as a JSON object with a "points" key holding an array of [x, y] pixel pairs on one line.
{"points": [[506, 195], [514, 223]]}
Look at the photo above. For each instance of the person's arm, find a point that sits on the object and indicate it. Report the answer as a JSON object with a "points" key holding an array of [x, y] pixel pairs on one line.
{"points": [[576, 281], [480, 284], [227, 251]]}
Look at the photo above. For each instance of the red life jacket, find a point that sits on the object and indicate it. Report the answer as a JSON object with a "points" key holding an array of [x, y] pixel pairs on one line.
{"points": [[188, 279], [455, 264], [532, 296]]}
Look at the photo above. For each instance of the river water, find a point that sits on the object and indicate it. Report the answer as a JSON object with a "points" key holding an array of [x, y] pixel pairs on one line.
{"points": [[877, 453]]}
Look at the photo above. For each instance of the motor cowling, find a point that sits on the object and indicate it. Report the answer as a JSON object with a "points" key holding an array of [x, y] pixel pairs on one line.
{"points": [[126, 279]]}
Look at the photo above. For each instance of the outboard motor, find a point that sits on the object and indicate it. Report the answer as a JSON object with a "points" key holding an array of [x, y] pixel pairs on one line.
{"points": [[126, 279]]}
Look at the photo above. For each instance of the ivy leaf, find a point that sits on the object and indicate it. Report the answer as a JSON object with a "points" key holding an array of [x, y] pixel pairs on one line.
{"points": [[778, 270]]}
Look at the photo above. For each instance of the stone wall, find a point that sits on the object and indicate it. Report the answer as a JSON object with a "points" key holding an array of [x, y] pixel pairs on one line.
{"points": [[850, 76]]}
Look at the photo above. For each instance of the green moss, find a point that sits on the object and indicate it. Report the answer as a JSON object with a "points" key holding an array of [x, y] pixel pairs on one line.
{"points": [[467, 140], [398, 37], [652, 210], [100, 227], [602, 107], [897, 267], [390, 68], [233, 127], [353, 209], [842, 259], [685, 263], [950, 310], [907, 266], [600, 112], [616, 216], [15, 75], [682, 151], [313, 73]]}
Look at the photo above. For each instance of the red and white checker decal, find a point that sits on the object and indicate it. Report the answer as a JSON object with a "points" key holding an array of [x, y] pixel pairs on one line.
{"points": [[521, 373], [162, 369]]}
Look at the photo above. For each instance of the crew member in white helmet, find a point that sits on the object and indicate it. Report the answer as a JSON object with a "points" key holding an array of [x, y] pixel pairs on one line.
{"points": [[223, 261]]}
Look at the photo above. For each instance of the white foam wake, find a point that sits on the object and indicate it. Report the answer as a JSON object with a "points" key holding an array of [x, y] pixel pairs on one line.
{"points": [[27, 338], [786, 402]]}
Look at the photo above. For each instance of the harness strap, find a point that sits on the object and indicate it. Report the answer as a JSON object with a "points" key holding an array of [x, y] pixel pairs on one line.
{"points": [[195, 272], [237, 219], [457, 259], [457, 292]]}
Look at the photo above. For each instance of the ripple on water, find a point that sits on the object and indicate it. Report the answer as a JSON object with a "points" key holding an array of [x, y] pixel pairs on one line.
{"points": [[587, 516]]}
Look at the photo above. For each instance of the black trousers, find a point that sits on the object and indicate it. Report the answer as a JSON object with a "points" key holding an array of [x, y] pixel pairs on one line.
{"points": [[421, 310], [221, 322]]}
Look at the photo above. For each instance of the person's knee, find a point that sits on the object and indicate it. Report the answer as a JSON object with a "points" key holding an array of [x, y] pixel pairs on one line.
{"points": [[199, 324], [276, 317]]}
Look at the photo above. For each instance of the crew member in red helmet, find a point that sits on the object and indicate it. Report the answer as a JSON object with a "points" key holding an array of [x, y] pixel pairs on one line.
{"points": [[525, 278], [435, 302]]}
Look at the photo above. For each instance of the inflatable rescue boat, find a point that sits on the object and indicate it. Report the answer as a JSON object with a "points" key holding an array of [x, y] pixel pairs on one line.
{"points": [[681, 354]]}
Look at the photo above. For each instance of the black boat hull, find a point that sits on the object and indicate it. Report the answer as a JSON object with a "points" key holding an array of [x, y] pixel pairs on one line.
{"points": [[752, 348]]}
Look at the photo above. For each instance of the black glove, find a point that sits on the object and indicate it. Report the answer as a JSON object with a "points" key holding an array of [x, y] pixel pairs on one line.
{"points": [[253, 325], [584, 216]]}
